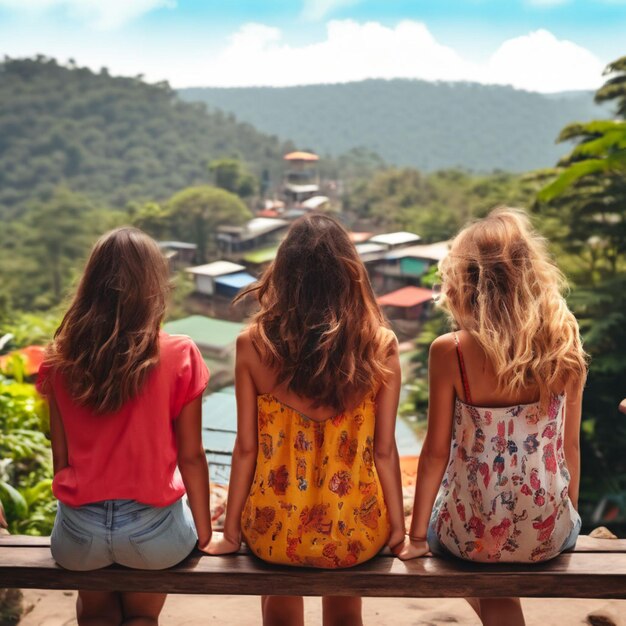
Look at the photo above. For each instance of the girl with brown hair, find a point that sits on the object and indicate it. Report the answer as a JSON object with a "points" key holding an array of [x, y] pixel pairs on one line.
{"points": [[315, 474], [501, 460], [125, 424]]}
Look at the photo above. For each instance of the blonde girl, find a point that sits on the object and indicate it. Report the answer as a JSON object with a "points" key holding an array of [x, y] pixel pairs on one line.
{"points": [[504, 409]]}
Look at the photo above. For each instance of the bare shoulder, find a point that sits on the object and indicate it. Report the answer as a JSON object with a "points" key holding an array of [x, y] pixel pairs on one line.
{"points": [[245, 347], [443, 345], [441, 356]]}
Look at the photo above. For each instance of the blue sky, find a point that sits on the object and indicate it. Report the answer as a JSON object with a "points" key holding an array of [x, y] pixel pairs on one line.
{"points": [[543, 45]]}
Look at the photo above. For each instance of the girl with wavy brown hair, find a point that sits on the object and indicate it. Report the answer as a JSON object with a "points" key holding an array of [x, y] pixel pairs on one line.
{"points": [[125, 424], [315, 475], [504, 411]]}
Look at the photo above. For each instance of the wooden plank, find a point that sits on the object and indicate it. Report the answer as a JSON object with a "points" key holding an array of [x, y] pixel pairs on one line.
{"points": [[576, 575], [23, 541], [584, 544]]}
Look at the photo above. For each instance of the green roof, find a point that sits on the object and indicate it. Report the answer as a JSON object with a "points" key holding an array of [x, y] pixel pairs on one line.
{"points": [[205, 331], [263, 255]]}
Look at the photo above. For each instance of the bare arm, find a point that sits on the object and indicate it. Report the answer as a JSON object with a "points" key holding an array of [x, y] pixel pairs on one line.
{"points": [[194, 468], [57, 437], [571, 443], [386, 450], [436, 448], [244, 453]]}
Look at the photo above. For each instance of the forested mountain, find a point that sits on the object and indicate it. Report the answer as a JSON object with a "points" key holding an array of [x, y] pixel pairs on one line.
{"points": [[416, 123], [114, 139]]}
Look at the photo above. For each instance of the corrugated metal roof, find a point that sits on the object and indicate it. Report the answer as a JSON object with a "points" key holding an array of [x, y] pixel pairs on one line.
{"points": [[217, 268], [406, 297], [395, 239], [432, 251], [205, 331]]}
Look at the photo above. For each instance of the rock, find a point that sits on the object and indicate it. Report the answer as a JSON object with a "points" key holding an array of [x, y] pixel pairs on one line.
{"points": [[602, 533], [601, 618], [11, 607]]}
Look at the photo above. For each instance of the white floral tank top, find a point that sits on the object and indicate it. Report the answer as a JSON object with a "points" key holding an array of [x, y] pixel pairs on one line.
{"points": [[504, 496]]}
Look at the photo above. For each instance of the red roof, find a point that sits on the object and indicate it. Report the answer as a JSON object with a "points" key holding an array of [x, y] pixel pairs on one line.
{"points": [[33, 356], [267, 213], [359, 237], [406, 297]]}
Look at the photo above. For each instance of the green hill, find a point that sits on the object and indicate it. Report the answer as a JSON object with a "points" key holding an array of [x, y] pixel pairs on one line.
{"points": [[410, 122], [115, 139]]}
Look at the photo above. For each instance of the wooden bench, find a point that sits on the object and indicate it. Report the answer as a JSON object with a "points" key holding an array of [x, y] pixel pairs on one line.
{"points": [[597, 569]]}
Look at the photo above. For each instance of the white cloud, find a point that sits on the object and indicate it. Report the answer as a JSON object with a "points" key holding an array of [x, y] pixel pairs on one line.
{"points": [[99, 14], [257, 55], [541, 62], [319, 9]]}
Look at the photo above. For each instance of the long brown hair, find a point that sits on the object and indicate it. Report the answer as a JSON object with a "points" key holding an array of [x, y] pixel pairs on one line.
{"points": [[319, 324], [108, 339], [500, 285]]}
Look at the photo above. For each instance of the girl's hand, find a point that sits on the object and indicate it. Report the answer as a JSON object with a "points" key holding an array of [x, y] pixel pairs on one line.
{"points": [[204, 539], [411, 549], [221, 544], [396, 539]]}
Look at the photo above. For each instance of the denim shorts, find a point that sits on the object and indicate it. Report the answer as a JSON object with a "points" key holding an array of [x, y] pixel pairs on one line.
{"points": [[122, 531], [438, 549]]}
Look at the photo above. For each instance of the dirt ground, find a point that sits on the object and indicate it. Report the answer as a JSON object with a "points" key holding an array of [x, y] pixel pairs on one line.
{"points": [[56, 608]]}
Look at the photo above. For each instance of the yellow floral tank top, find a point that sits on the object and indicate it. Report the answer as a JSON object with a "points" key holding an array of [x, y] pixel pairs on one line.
{"points": [[316, 499]]}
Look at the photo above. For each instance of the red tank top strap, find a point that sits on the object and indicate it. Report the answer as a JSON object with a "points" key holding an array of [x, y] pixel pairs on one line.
{"points": [[459, 354]]}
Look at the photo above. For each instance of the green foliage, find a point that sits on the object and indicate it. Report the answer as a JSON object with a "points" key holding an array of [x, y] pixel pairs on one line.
{"points": [[29, 328], [413, 123], [26, 466], [195, 213], [588, 199], [434, 205], [231, 175], [115, 139], [601, 150], [42, 250]]}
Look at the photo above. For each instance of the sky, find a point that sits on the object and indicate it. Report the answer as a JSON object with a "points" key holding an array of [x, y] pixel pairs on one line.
{"points": [[537, 45]]}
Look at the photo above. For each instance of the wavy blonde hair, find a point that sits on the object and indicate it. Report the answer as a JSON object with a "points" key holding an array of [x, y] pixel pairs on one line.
{"points": [[500, 285], [319, 324], [107, 342]]}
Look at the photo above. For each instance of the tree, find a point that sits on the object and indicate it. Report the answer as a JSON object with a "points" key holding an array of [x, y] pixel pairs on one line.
{"points": [[588, 197], [196, 212], [60, 231], [231, 175]]}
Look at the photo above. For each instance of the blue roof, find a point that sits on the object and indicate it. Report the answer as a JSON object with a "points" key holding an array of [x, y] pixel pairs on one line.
{"points": [[236, 281]]}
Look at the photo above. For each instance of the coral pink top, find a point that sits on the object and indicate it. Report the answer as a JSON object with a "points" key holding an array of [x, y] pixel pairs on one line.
{"points": [[130, 454]]}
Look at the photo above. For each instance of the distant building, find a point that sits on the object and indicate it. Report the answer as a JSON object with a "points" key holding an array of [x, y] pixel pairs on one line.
{"points": [[205, 275], [395, 240], [301, 178], [179, 253], [406, 303], [229, 285], [359, 237], [316, 203], [429, 254], [259, 232]]}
